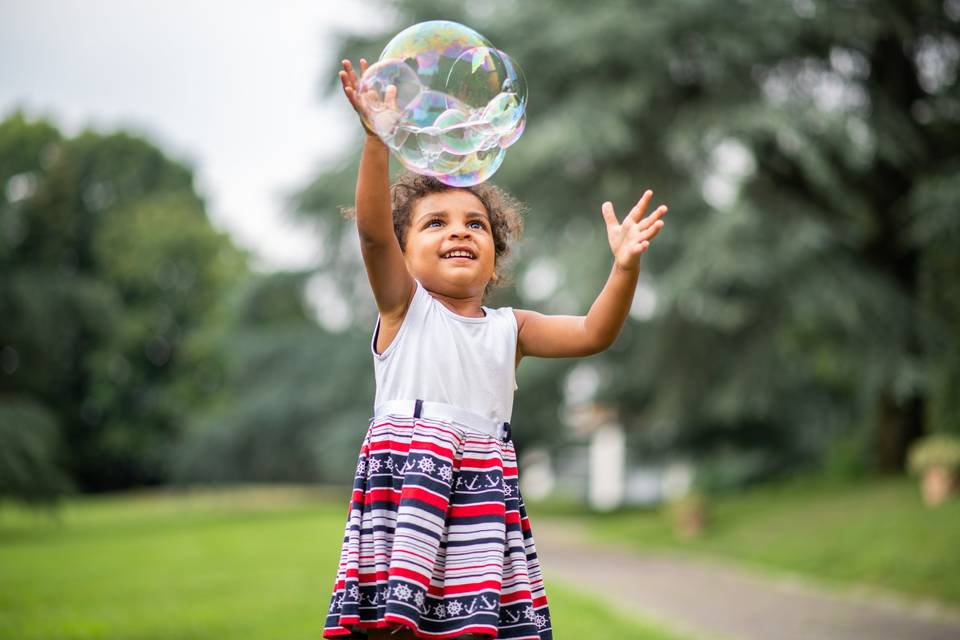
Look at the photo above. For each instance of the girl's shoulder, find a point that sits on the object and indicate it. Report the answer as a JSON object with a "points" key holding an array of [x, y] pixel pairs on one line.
{"points": [[522, 316]]}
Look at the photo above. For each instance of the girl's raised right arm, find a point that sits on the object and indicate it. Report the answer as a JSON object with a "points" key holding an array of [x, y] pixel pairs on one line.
{"points": [[392, 284]]}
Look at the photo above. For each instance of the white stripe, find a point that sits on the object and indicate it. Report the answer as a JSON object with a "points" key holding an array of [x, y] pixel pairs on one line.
{"points": [[442, 411]]}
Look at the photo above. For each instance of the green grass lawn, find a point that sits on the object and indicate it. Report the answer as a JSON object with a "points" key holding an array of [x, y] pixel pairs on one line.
{"points": [[875, 534], [245, 563]]}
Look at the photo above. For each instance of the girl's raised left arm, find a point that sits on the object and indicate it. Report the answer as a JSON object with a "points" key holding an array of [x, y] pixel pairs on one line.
{"points": [[567, 336]]}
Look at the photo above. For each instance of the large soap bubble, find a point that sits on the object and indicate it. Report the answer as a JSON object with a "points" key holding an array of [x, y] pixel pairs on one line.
{"points": [[445, 101]]}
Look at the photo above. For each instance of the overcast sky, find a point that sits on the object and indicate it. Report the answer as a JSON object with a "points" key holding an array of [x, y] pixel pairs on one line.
{"points": [[230, 87]]}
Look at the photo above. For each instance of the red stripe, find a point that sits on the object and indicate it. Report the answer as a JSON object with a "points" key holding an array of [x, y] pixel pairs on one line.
{"points": [[429, 561], [484, 463], [514, 597], [477, 566], [376, 495], [467, 511], [395, 445], [411, 575], [450, 589], [416, 493], [443, 452], [371, 578]]}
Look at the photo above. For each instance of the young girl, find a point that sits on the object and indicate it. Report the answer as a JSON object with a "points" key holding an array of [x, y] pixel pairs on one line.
{"points": [[437, 542]]}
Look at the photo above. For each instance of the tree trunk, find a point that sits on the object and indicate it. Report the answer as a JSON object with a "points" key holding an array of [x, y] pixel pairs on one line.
{"points": [[898, 425]]}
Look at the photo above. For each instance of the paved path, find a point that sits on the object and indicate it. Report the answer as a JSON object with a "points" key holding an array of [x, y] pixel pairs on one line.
{"points": [[717, 600]]}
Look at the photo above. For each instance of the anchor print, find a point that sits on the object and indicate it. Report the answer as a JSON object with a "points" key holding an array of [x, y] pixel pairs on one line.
{"points": [[472, 607], [496, 481]]}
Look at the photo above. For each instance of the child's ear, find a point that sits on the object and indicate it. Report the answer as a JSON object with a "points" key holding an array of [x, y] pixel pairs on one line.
{"points": [[494, 277]]}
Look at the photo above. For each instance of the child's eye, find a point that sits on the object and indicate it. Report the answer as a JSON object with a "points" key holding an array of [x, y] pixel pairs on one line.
{"points": [[479, 224], [435, 220]]}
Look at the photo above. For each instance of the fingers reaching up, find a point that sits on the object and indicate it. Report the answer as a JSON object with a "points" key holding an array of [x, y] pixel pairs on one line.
{"points": [[638, 209], [631, 237], [350, 83]]}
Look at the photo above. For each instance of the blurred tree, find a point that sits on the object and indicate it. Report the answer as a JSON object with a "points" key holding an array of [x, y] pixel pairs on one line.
{"points": [[111, 277], [804, 295], [297, 395], [30, 468]]}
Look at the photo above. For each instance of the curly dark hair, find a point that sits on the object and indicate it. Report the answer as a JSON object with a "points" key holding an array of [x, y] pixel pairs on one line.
{"points": [[505, 212]]}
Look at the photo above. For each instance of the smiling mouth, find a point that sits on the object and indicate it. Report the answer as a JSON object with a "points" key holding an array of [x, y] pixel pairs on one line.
{"points": [[459, 254]]}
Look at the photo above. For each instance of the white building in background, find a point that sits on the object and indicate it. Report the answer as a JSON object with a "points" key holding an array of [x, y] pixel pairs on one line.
{"points": [[608, 454], [595, 468]]}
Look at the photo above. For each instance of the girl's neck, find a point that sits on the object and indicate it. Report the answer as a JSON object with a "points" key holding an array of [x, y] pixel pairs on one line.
{"points": [[467, 307]]}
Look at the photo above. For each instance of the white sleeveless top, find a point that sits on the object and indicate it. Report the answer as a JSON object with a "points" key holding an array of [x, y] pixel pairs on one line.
{"points": [[440, 356]]}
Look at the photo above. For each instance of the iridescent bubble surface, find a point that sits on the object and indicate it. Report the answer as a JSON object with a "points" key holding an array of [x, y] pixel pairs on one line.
{"points": [[446, 101], [387, 89]]}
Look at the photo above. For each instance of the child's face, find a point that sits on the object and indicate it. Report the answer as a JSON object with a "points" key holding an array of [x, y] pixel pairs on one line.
{"points": [[441, 223]]}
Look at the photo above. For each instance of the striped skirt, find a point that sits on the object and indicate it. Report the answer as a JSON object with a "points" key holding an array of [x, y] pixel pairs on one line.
{"points": [[437, 538]]}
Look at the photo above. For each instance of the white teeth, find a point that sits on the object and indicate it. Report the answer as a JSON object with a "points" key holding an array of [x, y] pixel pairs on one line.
{"points": [[458, 254]]}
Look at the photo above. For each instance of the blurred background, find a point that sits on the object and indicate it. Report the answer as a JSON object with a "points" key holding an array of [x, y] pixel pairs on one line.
{"points": [[185, 322]]}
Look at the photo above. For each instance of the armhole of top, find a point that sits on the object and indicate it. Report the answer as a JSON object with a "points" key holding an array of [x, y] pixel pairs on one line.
{"points": [[513, 323], [418, 291], [516, 342]]}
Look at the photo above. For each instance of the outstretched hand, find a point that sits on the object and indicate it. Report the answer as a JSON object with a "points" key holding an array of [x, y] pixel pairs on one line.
{"points": [[369, 105], [349, 81], [630, 238]]}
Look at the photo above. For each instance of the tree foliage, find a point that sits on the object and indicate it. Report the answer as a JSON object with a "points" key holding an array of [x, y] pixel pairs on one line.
{"points": [[805, 291], [110, 272], [296, 396]]}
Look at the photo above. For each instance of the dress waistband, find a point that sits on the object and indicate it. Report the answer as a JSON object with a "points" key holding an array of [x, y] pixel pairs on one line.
{"points": [[442, 411]]}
